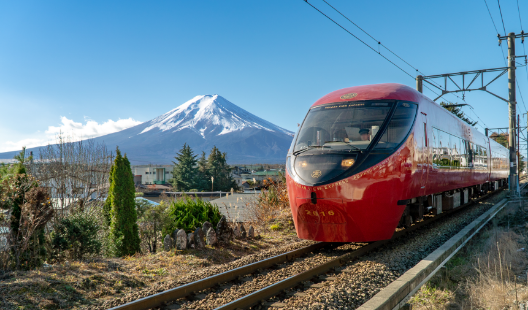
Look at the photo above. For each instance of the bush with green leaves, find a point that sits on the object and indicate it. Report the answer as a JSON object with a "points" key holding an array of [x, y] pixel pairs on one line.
{"points": [[78, 235], [188, 214]]}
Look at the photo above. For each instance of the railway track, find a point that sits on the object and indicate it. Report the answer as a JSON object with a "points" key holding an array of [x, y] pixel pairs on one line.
{"points": [[281, 277]]}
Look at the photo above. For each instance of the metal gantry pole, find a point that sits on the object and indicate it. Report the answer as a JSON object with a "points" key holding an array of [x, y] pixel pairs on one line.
{"points": [[512, 108]]}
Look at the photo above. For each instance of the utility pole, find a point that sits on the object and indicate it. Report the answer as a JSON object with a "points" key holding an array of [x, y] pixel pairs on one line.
{"points": [[512, 107]]}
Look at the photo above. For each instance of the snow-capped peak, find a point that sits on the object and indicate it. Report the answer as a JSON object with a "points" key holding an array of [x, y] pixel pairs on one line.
{"points": [[210, 114]]}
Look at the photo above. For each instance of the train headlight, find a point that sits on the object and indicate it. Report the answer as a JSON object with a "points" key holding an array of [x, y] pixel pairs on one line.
{"points": [[303, 164], [345, 163]]}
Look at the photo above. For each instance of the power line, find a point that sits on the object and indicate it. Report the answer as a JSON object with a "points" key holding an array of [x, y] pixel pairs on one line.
{"points": [[491, 16], [498, 1], [359, 39], [373, 49]]}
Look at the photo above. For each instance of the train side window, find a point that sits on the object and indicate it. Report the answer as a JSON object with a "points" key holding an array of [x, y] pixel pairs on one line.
{"points": [[469, 150], [436, 148], [455, 151], [443, 149], [425, 134]]}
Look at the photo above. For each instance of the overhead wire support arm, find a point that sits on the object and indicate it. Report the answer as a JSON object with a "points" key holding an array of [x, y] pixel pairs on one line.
{"points": [[464, 88]]}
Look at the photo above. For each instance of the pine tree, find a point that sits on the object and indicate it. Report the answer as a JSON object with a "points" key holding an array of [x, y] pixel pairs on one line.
{"points": [[122, 214], [184, 173], [203, 178], [221, 172], [458, 112]]}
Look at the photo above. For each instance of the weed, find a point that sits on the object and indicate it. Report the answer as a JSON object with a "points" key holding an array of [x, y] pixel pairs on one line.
{"points": [[276, 227]]}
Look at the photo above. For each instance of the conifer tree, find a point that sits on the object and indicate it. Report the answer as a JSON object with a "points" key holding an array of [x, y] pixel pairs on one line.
{"points": [[218, 168], [122, 208], [184, 173], [203, 177]]}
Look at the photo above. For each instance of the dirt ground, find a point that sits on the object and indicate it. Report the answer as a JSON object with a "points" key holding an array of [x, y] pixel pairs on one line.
{"points": [[81, 284]]}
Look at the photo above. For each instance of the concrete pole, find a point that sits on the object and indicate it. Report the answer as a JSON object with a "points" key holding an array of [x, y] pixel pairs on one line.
{"points": [[513, 112], [419, 83]]}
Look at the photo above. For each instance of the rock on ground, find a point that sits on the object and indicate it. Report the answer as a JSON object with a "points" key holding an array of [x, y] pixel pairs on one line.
{"points": [[210, 237], [243, 233], [181, 240], [205, 227], [167, 243], [190, 240], [199, 237], [251, 232], [224, 233]]}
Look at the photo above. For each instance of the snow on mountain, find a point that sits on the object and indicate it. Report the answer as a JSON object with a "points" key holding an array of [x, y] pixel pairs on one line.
{"points": [[210, 114], [202, 122]]}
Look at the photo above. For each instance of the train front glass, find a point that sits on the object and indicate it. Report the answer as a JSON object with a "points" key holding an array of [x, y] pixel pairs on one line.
{"points": [[333, 135]]}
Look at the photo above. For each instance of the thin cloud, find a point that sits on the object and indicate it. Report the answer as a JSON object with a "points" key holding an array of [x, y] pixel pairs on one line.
{"points": [[74, 130]]}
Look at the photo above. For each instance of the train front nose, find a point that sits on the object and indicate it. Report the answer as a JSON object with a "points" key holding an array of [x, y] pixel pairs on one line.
{"points": [[323, 220]]}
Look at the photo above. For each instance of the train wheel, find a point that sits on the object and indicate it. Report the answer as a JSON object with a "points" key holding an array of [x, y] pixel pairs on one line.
{"points": [[417, 210], [406, 219]]}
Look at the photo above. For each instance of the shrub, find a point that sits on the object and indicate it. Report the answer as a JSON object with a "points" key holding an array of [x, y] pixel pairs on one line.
{"points": [[76, 234], [188, 214]]}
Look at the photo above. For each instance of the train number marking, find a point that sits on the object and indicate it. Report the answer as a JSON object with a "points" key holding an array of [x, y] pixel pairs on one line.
{"points": [[315, 213]]}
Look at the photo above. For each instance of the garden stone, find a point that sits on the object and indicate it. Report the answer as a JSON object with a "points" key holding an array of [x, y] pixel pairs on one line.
{"points": [[210, 237], [167, 243], [251, 232], [174, 235], [199, 237], [243, 233], [236, 232], [206, 226], [224, 233], [181, 240], [190, 240]]}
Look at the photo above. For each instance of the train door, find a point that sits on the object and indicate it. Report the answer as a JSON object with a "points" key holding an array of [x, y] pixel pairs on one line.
{"points": [[426, 153]]}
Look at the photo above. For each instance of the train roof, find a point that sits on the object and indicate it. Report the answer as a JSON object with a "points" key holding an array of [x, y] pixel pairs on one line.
{"points": [[372, 92]]}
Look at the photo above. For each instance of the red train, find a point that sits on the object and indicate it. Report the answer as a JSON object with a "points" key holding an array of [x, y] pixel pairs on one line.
{"points": [[368, 159]]}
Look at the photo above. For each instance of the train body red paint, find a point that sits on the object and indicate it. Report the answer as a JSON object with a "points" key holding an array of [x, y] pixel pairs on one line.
{"points": [[364, 154]]}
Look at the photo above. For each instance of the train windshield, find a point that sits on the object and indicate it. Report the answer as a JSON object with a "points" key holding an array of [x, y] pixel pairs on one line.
{"points": [[342, 126], [353, 125]]}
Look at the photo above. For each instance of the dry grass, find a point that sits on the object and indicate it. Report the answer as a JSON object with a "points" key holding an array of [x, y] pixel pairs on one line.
{"points": [[489, 273], [74, 285]]}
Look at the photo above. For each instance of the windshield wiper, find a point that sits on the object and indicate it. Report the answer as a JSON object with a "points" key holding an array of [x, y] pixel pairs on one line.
{"points": [[347, 143], [308, 148]]}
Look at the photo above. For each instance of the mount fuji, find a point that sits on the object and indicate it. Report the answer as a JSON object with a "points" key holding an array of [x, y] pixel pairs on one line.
{"points": [[202, 122]]}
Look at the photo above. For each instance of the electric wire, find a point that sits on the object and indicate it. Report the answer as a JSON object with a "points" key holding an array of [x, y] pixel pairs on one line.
{"points": [[369, 46], [502, 19], [359, 39], [491, 17], [379, 42]]}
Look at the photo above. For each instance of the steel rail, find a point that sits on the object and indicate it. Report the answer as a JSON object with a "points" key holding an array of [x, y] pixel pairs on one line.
{"points": [[192, 288], [277, 288], [230, 275]]}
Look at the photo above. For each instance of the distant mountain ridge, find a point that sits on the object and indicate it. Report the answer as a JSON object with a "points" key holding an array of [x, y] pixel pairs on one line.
{"points": [[202, 122]]}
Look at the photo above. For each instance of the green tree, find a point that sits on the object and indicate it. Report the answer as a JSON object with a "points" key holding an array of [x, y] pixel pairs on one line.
{"points": [[458, 112], [184, 172], [77, 234], [121, 208], [221, 172], [203, 174]]}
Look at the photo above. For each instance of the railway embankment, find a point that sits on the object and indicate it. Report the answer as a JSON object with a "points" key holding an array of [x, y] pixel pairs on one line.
{"points": [[352, 281], [490, 272]]}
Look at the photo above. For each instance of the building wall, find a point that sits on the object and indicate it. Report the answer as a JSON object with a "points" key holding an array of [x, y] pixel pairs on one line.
{"points": [[152, 174]]}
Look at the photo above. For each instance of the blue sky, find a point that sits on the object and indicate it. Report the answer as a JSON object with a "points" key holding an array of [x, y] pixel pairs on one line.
{"points": [[97, 66]]}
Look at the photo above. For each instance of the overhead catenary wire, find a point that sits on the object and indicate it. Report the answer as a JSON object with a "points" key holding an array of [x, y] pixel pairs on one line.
{"points": [[491, 17], [500, 47], [369, 46], [502, 19]]}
